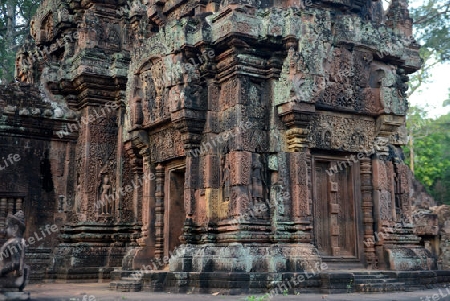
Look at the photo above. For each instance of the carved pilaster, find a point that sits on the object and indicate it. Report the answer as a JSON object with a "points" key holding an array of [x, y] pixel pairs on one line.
{"points": [[403, 202], [367, 209], [147, 183], [136, 168], [159, 211], [190, 185], [300, 172], [297, 116]]}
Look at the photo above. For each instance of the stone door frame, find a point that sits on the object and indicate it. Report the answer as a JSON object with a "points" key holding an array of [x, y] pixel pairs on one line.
{"points": [[357, 198], [176, 165]]}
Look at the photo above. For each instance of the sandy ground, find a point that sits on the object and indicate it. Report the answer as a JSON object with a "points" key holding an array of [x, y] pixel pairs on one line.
{"points": [[101, 292]]}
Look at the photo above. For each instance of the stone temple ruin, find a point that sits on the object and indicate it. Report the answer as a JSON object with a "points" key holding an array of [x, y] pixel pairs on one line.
{"points": [[229, 144]]}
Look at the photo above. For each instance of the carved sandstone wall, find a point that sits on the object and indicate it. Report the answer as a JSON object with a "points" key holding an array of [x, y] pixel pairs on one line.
{"points": [[249, 136]]}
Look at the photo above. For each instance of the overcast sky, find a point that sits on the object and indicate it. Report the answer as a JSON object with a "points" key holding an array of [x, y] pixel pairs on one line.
{"points": [[434, 93]]}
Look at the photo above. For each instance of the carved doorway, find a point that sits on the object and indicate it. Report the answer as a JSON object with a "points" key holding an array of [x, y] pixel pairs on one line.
{"points": [[336, 210], [174, 213]]}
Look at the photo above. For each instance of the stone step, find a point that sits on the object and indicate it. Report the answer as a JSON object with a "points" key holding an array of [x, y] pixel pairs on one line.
{"points": [[371, 281], [125, 286], [370, 276], [131, 278], [380, 287]]}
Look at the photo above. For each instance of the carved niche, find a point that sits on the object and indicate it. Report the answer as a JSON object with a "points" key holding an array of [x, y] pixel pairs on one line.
{"points": [[346, 87], [154, 103], [105, 193]]}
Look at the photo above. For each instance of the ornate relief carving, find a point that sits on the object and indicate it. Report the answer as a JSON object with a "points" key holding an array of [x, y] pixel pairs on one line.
{"points": [[212, 174], [229, 93], [315, 58], [225, 178], [299, 175], [385, 206], [212, 198], [166, 144], [252, 139], [154, 103], [241, 167], [240, 203], [341, 132], [380, 177], [258, 182], [105, 192], [402, 176]]}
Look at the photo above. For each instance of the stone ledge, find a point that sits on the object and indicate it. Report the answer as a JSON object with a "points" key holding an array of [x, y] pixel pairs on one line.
{"points": [[333, 282]]}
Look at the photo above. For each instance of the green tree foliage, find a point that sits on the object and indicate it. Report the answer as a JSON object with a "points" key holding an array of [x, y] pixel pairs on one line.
{"points": [[432, 31], [15, 18], [428, 150], [431, 152], [432, 26]]}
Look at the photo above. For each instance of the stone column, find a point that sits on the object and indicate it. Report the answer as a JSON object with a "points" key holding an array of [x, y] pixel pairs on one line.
{"points": [[159, 211]]}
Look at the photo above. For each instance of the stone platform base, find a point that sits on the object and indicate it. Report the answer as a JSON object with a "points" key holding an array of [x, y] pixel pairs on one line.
{"points": [[276, 283], [79, 275], [237, 257], [410, 258], [13, 296]]}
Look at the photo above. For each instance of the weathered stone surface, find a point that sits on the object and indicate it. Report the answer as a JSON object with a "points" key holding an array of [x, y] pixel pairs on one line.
{"points": [[247, 139], [14, 272]]}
